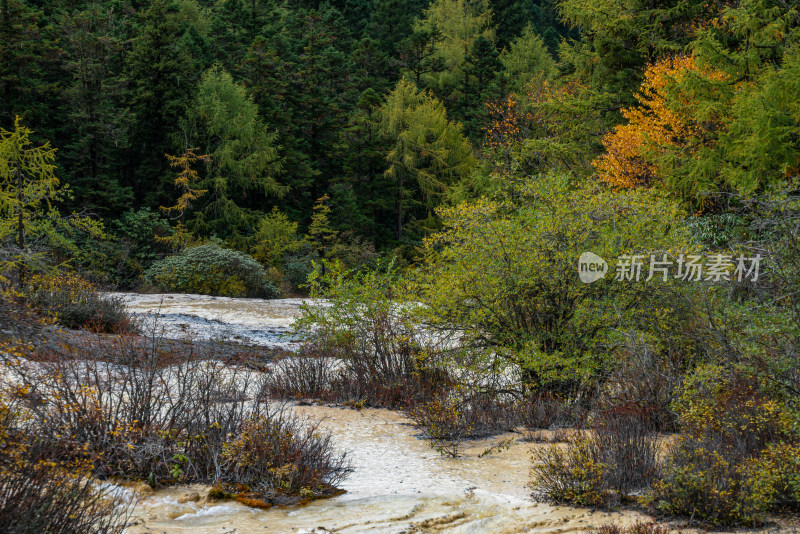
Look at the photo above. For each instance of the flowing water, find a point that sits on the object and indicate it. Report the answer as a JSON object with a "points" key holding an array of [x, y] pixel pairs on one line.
{"points": [[398, 483], [250, 321]]}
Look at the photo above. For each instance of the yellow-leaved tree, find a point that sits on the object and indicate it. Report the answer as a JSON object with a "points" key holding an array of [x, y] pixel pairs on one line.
{"points": [[30, 223], [667, 120], [186, 181]]}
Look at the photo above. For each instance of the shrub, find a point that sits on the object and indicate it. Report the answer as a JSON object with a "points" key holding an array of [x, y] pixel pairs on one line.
{"points": [[211, 270], [37, 496], [141, 409], [445, 423], [503, 275], [138, 240], [640, 527], [624, 440], [704, 481], [543, 411], [299, 265], [18, 322], [617, 456], [75, 303], [365, 346], [461, 412], [385, 359], [570, 474], [737, 457], [647, 378], [277, 454]]}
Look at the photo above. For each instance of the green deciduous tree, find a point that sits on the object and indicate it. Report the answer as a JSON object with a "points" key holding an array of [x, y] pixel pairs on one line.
{"points": [[505, 276]]}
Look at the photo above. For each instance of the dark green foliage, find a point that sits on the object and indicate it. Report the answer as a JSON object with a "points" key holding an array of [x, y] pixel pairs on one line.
{"points": [[299, 265], [361, 198], [113, 85], [511, 17], [481, 67], [138, 232], [211, 270], [98, 123], [163, 74], [29, 70], [391, 21], [301, 80], [418, 57]]}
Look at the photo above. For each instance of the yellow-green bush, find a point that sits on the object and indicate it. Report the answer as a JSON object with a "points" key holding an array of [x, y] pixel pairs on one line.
{"points": [[71, 301], [737, 458], [570, 474]]}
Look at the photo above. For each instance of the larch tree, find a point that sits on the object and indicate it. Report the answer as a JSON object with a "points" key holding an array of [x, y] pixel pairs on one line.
{"points": [[186, 182], [526, 58], [460, 23], [28, 190], [428, 153], [244, 157], [666, 126]]}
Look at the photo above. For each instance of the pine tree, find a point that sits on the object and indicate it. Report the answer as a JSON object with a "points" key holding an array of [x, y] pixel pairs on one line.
{"points": [[419, 55], [481, 66], [97, 123]]}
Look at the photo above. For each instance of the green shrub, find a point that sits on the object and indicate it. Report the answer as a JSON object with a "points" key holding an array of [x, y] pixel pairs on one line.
{"points": [[299, 265], [276, 236], [504, 276], [704, 480], [211, 270], [640, 527]]}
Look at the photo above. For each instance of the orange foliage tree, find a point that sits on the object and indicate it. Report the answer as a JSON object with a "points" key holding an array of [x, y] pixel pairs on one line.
{"points": [[669, 120]]}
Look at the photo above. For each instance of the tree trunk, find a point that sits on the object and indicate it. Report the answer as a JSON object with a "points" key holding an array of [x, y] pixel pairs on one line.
{"points": [[21, 228]]}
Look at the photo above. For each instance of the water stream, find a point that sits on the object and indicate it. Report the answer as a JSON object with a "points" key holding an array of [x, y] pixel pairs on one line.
{"points": [[398, 484]]}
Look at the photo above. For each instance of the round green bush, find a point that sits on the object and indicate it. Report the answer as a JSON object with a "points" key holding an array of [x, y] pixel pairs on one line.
{"points": [[211, 270]]}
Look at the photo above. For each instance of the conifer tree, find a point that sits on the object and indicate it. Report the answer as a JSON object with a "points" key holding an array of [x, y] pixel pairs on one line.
{"points": [[427, 155]]}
